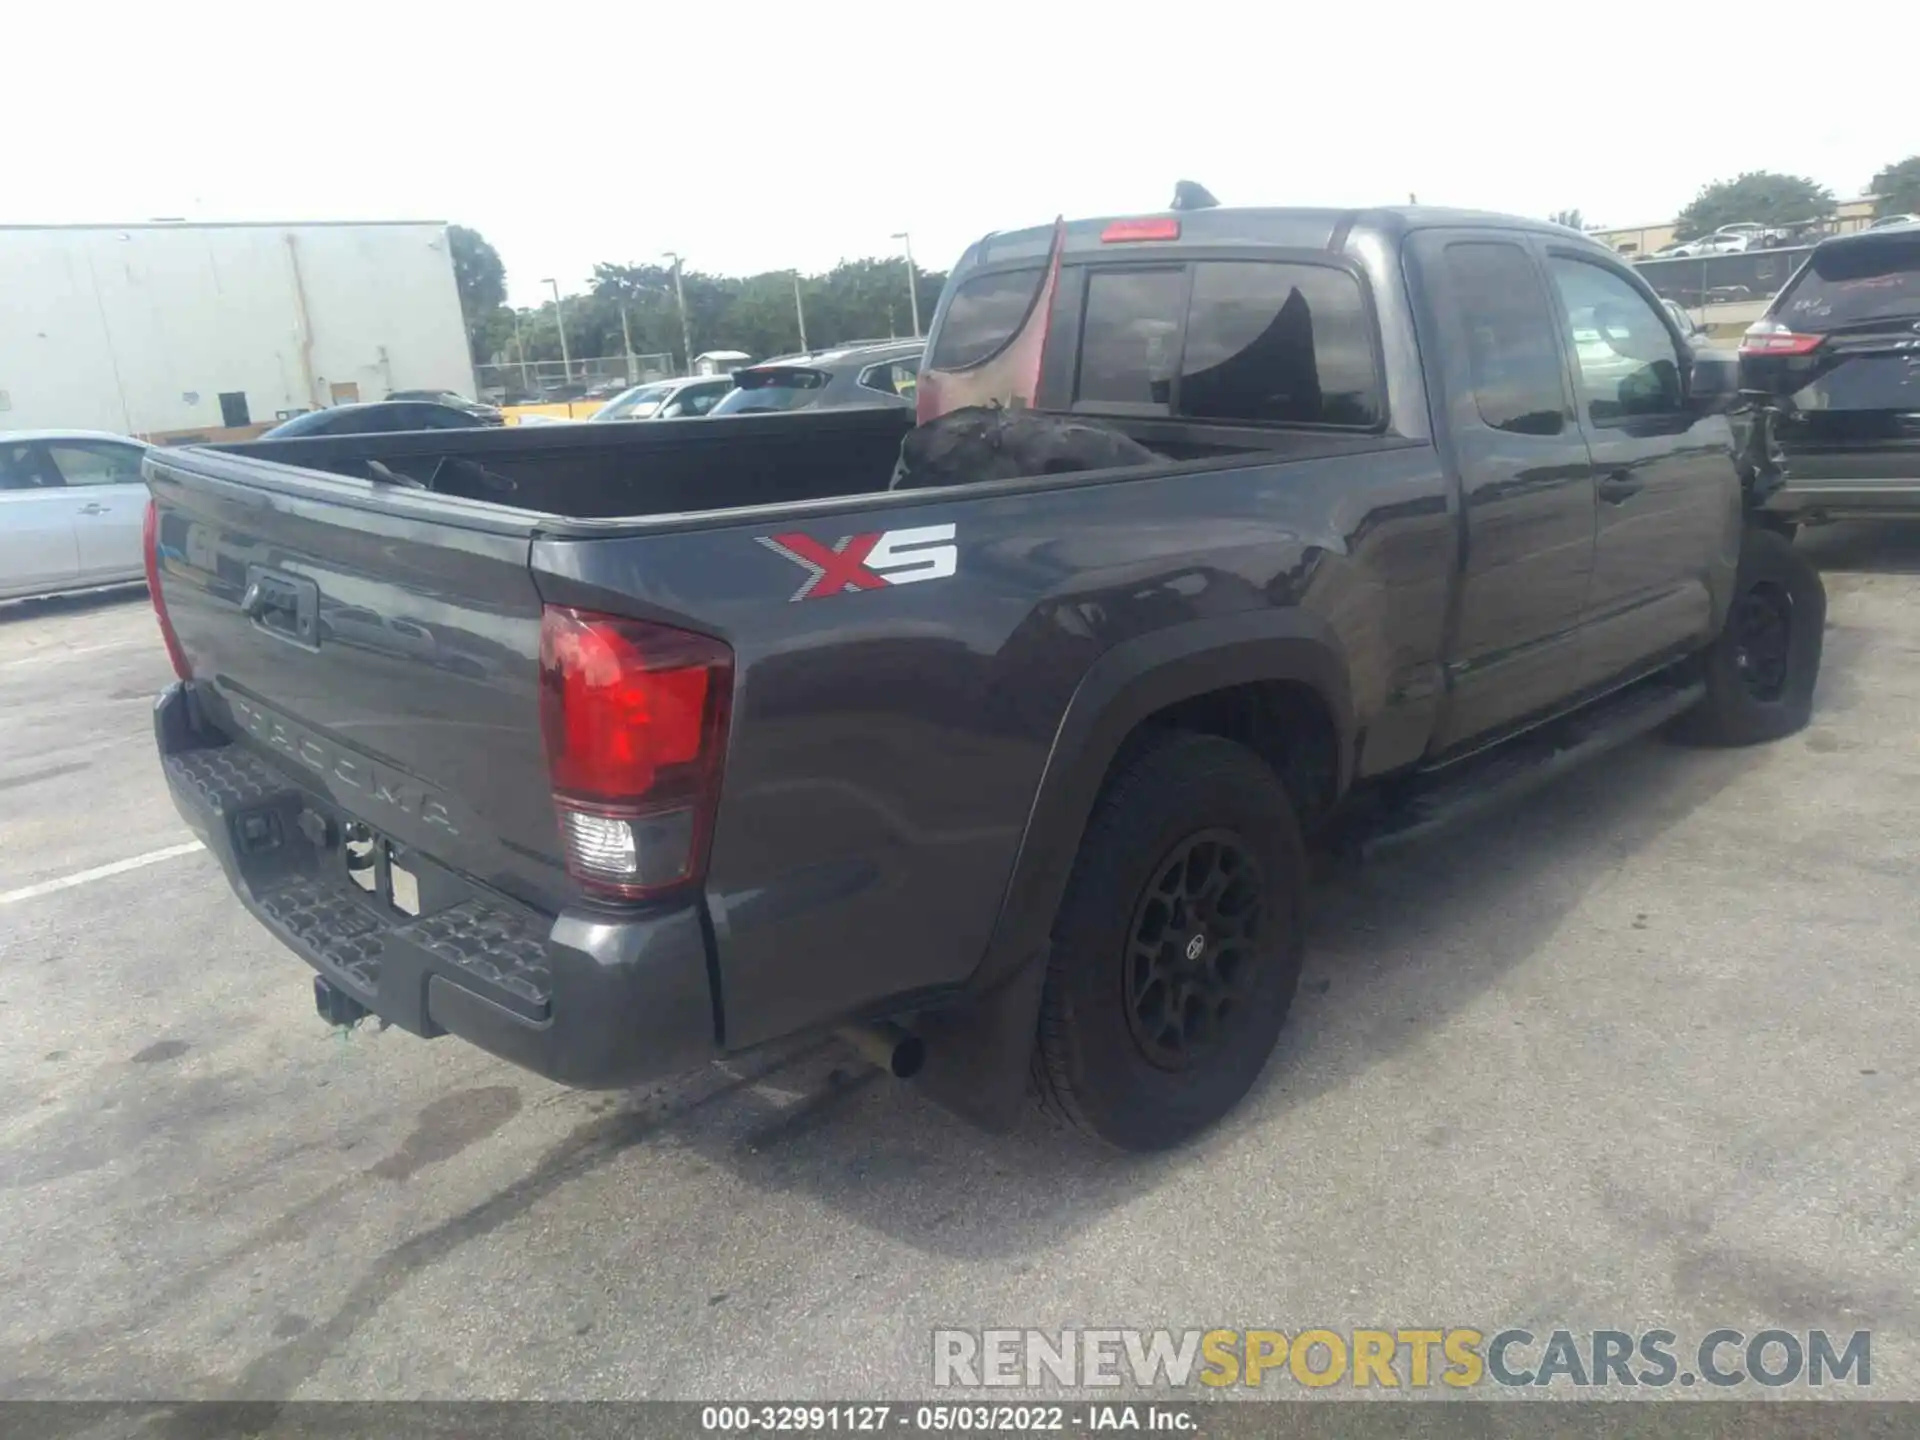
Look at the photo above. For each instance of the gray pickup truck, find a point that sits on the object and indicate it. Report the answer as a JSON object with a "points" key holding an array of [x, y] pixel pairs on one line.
{"points": [[617, 749]]}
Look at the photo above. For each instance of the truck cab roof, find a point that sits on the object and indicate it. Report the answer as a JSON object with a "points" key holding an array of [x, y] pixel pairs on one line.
{"points": [[1287, 227]]}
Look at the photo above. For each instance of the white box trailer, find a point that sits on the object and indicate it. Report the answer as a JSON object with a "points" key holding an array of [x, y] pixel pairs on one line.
{"points": [[173, 329]]}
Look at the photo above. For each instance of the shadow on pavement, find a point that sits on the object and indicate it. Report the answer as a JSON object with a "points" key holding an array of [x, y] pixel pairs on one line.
{"points": [[888, 1158], [13, 612], [1887, 547]]}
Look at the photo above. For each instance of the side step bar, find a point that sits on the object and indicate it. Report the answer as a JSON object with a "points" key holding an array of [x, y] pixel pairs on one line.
{"points": [[1427, 804]]}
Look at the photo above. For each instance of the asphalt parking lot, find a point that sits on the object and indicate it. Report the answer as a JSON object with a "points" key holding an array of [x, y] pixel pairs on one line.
{"points": [[1638, 1052]]}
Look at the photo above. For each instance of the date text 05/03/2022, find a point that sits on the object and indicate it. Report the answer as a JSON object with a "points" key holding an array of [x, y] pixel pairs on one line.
{"points": [[945, 1418]]}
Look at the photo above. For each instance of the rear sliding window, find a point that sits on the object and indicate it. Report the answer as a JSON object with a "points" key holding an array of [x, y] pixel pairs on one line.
{"points": [[984, 314], [1236, 342], [771, 390], [1858, 283]]}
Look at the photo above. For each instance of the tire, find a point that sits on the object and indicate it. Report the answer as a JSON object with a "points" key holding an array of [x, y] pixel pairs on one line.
{"points": [[1761, 671], [1187, 816]]}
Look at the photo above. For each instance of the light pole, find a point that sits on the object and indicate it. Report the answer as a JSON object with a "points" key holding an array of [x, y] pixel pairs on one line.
{"points": [[560, 323], [799, 312], [680, 299], [520, 345], [913, 283]]}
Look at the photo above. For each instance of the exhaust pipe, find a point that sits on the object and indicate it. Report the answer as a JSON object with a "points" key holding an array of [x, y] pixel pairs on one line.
{"points": [[887, 1046]]}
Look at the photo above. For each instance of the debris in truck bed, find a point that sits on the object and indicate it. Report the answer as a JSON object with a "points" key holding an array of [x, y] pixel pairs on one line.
{"points": [[987, 442]]}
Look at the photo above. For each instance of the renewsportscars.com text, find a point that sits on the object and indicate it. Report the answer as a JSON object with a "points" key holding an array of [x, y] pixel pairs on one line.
{"points": [[1459, 1358]]}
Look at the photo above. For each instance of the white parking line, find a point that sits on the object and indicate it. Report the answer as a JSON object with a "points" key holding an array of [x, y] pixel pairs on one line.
{"points": [[99, 872]]}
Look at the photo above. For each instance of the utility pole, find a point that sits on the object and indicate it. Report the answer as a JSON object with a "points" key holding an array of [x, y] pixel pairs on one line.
{"points": [[680, 299], [526, 382], [913, 283], [626, 340], [560, 323], [799, 312]]}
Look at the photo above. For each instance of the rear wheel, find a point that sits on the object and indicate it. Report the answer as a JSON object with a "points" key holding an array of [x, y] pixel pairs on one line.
{"points": [[1177, 948], [1761, 670]]}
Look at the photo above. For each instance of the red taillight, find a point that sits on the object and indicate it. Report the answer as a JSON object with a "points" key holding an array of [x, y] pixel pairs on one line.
{"points": [[150, 546], [1159, 227], [635, 721], [1770, 337]]}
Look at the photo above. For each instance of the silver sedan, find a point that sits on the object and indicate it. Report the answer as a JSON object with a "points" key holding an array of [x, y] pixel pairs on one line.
{"points": [[72, 505]]}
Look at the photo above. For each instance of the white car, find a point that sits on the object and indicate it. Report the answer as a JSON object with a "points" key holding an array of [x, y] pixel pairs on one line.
{"points": [[688, 396], [72, 508], [1717, 243], [1886, 220]]}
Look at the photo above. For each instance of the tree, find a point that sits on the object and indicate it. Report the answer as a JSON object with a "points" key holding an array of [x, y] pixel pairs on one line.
{"points": [[481, 280], [1762, 196], [1568, 218], [1897, 188]]}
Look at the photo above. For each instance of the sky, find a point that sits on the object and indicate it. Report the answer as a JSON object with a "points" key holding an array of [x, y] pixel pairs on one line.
{"points": [[752, 137]]}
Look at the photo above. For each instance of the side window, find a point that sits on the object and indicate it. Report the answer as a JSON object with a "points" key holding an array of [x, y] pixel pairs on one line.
{"points": [[1509, 329], [20, 469], [895, 377], [699, 401], [96, 464], [1629, 368]]}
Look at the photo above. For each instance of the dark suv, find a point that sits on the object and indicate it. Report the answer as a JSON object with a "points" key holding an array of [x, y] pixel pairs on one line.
{"points": [[378, 417], [883, 374], [1839, 350]]}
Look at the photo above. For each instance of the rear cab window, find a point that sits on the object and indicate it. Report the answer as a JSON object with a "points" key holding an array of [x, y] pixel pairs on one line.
{"points": [[1232, 342], [986, 312]]}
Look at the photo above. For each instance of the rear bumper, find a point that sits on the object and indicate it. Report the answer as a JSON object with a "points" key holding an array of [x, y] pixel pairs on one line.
{"points": [[1848, 482], [582, 998], [1845, 498]]}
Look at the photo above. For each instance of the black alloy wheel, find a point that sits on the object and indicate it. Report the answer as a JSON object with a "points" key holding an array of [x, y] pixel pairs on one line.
{"points": [[1192, 948]]}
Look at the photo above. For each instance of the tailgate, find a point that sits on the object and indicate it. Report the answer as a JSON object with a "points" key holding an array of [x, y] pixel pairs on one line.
{"points": [[378, 645]]}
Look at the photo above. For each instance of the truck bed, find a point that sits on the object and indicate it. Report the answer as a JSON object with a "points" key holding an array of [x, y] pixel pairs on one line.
{"points": [[597, 471], [692, 466]]}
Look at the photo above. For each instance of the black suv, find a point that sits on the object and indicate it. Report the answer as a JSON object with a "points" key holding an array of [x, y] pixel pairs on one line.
{"points": [[382, 416], [884, 374], [1839, 350]]}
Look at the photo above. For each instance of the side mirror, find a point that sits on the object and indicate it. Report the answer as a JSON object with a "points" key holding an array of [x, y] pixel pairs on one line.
{"points": [[1713, 383]]}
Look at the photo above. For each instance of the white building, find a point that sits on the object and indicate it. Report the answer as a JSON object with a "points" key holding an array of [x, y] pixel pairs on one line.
{"points": [[168, 329]]}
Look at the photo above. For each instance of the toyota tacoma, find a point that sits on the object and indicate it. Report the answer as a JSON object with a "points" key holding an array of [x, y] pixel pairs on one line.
{"points": [[998, 742]]}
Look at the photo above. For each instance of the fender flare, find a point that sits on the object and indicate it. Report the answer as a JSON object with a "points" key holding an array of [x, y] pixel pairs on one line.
{"points": [[1128, 683]]}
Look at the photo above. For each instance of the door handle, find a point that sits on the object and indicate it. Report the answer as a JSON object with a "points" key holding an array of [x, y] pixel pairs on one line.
{"points": [[1618, 487], [94, 507]]}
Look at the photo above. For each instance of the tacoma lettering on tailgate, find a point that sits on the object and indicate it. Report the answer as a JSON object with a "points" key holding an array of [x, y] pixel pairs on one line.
{"points": [[382, 786]]}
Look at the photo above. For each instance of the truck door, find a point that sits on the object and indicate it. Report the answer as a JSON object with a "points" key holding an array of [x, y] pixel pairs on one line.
{"points": [[1526, 479], [37, 552], [1668, 493]]}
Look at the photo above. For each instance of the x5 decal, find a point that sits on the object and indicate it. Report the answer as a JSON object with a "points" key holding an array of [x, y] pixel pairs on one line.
{"points": [[868, 562]]}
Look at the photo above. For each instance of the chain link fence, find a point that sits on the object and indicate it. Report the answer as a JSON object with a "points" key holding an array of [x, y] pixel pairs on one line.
{"points": [[555, 382], [1743, 277]]}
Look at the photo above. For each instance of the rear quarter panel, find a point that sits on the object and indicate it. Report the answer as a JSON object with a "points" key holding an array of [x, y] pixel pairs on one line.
{"points": [[887, 744]]}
